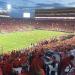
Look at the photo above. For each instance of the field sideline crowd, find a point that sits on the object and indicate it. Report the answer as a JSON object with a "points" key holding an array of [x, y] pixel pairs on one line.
{"points": [[48, 57], [14, 24]]}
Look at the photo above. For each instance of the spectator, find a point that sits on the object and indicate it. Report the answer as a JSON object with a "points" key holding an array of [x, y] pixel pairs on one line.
{"points": [[64, 63]]}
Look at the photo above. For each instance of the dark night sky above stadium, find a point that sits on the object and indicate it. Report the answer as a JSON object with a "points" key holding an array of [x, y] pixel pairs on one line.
{"points": [[16, 8]]}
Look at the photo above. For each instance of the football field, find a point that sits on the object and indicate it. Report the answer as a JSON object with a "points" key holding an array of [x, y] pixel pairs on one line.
{"points": [[18, 40]]}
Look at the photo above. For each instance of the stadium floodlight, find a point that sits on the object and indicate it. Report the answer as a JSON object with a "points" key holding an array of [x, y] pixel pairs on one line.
{"points": [[26, 15], [8, 7]]}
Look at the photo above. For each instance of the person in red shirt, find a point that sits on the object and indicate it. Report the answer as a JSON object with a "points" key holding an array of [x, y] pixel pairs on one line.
{"points": [[8, 67], [37, 66], [64, 63], [1, 71]]}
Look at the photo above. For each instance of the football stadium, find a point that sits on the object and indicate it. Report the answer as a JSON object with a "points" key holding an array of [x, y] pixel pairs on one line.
{"points": [[37, 37]]}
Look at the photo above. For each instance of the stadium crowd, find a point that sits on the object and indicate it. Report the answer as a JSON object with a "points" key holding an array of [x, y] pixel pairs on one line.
{"points": [[14, 24], [48, 57]]}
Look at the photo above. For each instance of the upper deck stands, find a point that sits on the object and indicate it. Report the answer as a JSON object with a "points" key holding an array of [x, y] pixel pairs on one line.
{"points": [[65, 12]]}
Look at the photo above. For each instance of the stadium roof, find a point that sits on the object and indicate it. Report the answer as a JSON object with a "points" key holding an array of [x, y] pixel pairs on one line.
{"points": [[16, 8]]}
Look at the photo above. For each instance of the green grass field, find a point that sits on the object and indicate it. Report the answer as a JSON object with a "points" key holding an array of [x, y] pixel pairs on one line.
{"points": [[17, 40]]}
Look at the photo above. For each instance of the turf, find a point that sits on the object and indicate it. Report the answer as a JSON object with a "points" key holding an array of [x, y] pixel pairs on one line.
{"points": [[17, 40]]}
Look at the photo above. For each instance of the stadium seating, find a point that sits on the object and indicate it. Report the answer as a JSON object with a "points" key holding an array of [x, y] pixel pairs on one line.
{"points": [[10, 24], [32, 61]]}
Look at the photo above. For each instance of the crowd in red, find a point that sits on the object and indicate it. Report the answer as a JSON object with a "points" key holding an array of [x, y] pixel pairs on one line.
{"points": [[14, 24], [31, 61], [37, 60]]}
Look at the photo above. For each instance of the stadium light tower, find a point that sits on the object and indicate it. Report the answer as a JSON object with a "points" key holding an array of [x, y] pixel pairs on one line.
{"points": [[9, 7]]}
